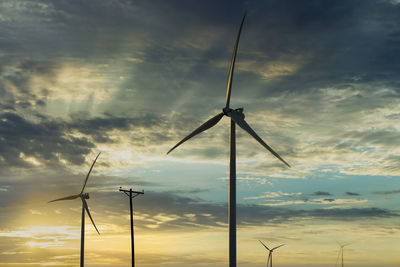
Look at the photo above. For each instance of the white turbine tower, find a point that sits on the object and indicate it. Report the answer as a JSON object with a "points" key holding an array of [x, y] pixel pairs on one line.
{"points": [[341, 252], [83, 197], [269, 260], [237, 117]]}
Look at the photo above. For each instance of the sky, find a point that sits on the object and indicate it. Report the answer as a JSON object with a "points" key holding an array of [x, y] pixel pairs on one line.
{"points": [[318, 81]]}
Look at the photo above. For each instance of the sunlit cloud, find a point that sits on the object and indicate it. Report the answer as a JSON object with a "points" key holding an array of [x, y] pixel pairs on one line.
{"points": [[318, 201], [275, 195]]}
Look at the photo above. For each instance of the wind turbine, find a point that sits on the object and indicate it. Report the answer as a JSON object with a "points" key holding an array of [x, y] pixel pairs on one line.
{"points": [[270, 253], [83, 197], [341, 252], [237, 117]]}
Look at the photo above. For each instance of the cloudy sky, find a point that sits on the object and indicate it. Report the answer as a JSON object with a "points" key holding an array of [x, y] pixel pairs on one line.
{"points": [[318, 80]]}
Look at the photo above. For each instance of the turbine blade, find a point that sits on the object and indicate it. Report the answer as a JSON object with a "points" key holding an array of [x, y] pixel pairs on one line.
{"points": [[90, 170], [269, 258], [207, 125], [264, 245], [88, 212], [278, 246], [65, 198], [238, 118], [232, 67]]}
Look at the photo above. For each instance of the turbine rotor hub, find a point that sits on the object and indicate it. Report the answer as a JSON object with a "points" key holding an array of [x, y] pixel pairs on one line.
{"points": [[85, 196], [226, 110]]}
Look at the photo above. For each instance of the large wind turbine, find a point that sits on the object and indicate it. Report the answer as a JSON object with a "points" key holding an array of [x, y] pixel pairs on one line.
{"points": [[270, 253], [237, 117], [341, 252], [83, 197]]}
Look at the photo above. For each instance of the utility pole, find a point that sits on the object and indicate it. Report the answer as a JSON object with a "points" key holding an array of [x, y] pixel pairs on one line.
{"points": [[131, 194]]}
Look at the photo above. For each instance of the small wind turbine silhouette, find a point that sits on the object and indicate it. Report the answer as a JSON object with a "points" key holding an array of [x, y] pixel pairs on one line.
{"points": [[237, 117], [341, 252], [83, 197], [270, 253]]}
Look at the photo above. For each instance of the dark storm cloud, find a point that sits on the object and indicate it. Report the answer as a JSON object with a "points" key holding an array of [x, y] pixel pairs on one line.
{"points": [[320, 193], [341, 39], [43, 141], [50, 140], [187, 211], [15, 83], [339, 42], [99, 127], [351, 194]]}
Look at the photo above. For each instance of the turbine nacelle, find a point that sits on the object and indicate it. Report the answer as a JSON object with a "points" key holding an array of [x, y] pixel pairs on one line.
{"points": [[85, 196], [228, 111], [240, 112]]}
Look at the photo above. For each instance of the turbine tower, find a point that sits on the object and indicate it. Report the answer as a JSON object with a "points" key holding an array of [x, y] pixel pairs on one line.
{"points": [[341, 252], [83, 197], [270, 253], [237, 117]]}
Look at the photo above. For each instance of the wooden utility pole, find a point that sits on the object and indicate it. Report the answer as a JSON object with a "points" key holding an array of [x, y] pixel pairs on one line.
{"points": [[131, 194]]}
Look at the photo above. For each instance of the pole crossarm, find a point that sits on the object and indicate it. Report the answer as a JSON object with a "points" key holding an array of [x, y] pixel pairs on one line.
{"points": [[128, 192]]}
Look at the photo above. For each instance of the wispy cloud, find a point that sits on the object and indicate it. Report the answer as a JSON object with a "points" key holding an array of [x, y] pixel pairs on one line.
{"points": [[389, 192], [275, 195], [320, 201]]}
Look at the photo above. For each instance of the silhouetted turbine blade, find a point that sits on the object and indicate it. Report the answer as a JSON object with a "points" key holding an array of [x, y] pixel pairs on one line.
{"points": [[238, 118], [87, 176], [278, 247], [207, 125], [232, 67], [66, 198], [263, 244], [88, 212], [269, 258]]}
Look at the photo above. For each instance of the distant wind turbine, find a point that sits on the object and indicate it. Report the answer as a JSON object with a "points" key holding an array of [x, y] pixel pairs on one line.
{"points": [[83, 197], [237, 117], [341, 252], [270, 253]]}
